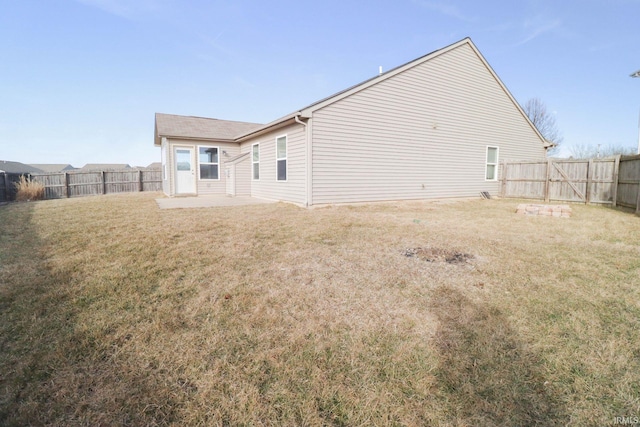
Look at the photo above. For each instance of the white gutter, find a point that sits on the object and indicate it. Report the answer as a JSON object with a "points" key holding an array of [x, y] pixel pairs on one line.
{"points": [[308, 159], [266, 128]]}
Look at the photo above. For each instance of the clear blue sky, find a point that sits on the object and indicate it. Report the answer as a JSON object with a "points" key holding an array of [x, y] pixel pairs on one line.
{"points": [[80, 80]]}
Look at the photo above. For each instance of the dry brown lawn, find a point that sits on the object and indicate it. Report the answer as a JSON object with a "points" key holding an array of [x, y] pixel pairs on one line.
{"points": [[113, 312]]}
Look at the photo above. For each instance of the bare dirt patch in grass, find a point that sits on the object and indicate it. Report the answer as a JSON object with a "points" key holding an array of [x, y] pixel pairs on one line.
{"points": [[113, 312], [438, 255]]}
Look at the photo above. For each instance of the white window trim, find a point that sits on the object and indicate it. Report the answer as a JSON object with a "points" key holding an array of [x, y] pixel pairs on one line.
{"points": [[253, 178], [286, 157], [206, 163], [487, 164]]}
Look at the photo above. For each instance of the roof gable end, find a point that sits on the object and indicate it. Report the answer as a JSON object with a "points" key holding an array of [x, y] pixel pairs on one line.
{"points": [[307, 111]]}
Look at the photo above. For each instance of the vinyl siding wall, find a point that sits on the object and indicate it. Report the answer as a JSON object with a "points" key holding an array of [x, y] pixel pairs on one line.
{"points": [[203, 187], [420, 134], [164, 157], [243, 177], [268, 187], [239, 179]]}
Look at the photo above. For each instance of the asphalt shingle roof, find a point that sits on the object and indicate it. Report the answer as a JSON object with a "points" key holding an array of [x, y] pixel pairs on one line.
{"points": [[17, 167], [52, 167], [200, 127], [104, 167]]}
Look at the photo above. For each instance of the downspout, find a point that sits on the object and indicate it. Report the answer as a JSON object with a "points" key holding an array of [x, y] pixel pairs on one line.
{"points": [[308, 160]]}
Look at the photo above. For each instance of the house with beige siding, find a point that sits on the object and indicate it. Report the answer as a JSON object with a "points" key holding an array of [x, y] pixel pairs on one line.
{"points": [[435, 127]]}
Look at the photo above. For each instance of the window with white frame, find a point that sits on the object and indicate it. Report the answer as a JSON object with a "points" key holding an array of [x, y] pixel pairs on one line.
{"points": [[281, 158], [492, 164], [255, 160], [209, 162]]}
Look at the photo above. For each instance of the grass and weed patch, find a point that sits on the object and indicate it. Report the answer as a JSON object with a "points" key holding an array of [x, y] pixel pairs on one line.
{"points": [[114, 312], [28, 190]]}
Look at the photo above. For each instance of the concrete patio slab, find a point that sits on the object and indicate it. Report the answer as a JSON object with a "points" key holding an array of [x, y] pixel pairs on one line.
{"points": [[216, 201]]}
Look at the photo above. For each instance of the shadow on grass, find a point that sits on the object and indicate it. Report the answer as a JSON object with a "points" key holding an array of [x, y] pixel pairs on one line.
{"points": [[58, 365], [487, 374]]}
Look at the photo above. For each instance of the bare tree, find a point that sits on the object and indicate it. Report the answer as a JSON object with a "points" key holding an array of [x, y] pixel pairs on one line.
{"points": [[613, 150], [583, 151], [543, 121]]}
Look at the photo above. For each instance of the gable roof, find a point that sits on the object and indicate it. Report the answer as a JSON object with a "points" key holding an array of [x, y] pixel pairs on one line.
{"points": [[104, 167], [202, 128], [17, 167], [190, 127], [386, 75], [307, 111], [46, 167]]}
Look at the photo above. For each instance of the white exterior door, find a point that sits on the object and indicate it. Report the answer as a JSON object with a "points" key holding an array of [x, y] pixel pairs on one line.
{"points": [[185, 171]]}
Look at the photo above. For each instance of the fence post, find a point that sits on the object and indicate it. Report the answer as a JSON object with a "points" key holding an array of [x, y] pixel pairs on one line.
{"points": [[139, 180], [638, 200], [547, 180], [587, 196], [616, 180], [67, 190], [503, 184], [104, 184], [6, 187]]}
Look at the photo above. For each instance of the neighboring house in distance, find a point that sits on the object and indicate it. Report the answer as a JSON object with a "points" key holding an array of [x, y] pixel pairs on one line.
{"points": [[94, 167], [53, 168], [434, 127], [17, 167], [154, 166]]}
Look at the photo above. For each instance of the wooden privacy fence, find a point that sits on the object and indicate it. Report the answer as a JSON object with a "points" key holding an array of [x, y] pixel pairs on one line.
{"points": [[7, 186], [614, 181], [629, 183], [77, 184]]}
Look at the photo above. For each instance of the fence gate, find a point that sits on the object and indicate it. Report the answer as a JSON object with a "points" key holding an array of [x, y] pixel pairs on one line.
{"points": [[560, 180]]}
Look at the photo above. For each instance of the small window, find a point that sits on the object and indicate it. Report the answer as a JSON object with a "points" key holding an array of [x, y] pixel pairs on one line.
{"points": [[492, 164], [281, 158], [255, 160], [209, 163], [183, 160]]}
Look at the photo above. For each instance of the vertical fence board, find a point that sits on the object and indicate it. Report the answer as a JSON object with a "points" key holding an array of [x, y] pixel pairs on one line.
{"points": [[563, 180], [546, 183], [9, 181], [4, 197], [628, 181], [587, 192], [54, 184], [151, 180], [80, 184], [616, 168]]}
